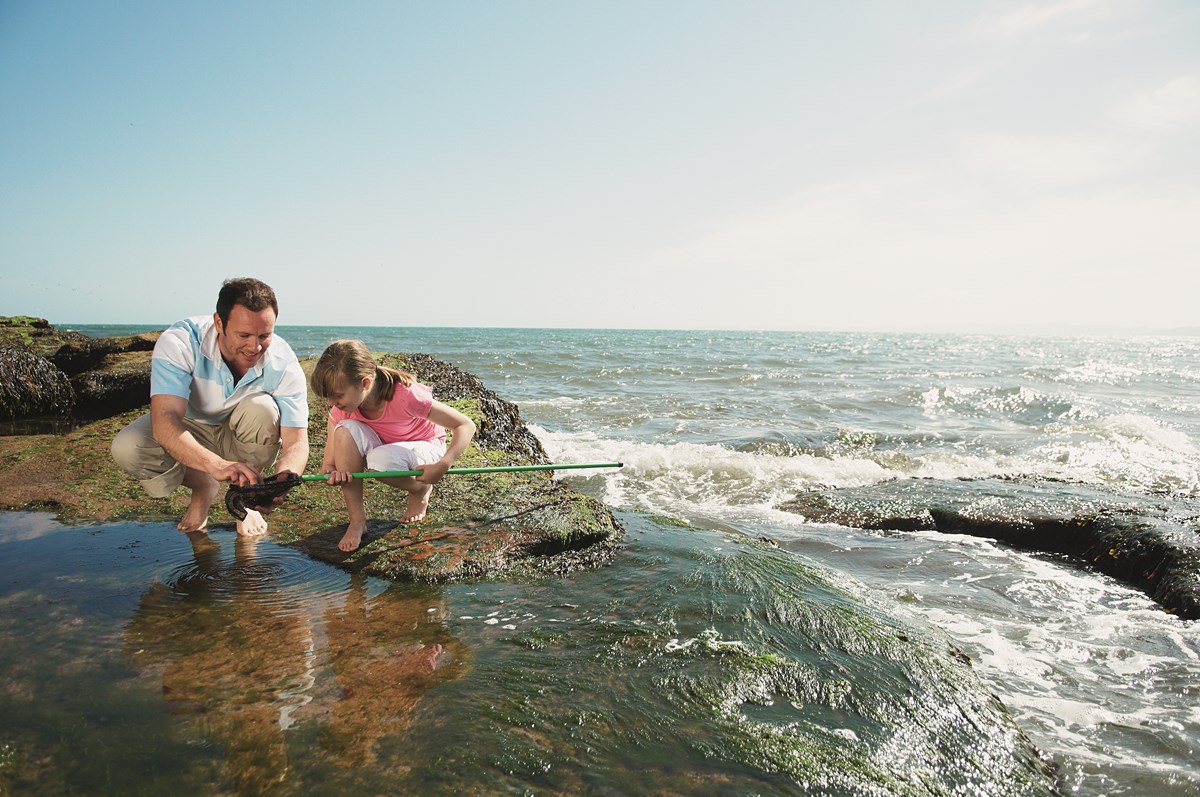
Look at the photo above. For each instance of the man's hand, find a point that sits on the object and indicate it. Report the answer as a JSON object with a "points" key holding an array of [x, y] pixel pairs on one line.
{"points": [[278, 476], [238, 473]]}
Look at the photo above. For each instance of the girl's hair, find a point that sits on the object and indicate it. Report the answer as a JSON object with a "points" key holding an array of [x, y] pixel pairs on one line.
{"points": [[346, 362]]}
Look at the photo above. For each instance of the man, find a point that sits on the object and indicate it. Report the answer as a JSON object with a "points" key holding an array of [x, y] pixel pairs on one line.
{"points": [[227, 398]]}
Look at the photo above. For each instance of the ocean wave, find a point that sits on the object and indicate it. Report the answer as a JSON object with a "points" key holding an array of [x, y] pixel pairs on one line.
{"points": [[1017, 403], [1131, 452], [710, 481], [1125, 453]]}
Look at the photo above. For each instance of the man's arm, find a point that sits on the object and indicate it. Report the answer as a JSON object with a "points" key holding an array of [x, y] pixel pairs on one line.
{"points": [[166, 416], [293, 455]]}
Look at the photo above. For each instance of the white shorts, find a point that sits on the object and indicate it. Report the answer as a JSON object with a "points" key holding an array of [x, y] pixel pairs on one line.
{"points": [[392, 456]]}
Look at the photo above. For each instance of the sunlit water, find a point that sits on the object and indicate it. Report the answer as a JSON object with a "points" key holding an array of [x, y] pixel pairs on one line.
{"points": [[718, 428]]}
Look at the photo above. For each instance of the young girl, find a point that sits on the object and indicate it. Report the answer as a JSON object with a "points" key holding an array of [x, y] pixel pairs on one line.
{"points": [[383, 419]]}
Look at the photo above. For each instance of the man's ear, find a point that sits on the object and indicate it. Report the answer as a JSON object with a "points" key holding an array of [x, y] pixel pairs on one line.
{"points": [[217, 321]]}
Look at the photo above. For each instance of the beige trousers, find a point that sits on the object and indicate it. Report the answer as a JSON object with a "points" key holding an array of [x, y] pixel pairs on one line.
{"points": [[250, 434]]}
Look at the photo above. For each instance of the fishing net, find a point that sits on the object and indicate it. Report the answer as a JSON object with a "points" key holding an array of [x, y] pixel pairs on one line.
{"points": [[263, 494]]}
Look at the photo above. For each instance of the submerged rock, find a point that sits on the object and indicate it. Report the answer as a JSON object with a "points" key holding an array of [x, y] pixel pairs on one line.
{"points": [[701, 665], [1152, 547], [696, 664]]}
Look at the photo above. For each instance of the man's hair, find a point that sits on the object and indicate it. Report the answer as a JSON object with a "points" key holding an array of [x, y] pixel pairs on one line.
{"points": [[252, 294]]}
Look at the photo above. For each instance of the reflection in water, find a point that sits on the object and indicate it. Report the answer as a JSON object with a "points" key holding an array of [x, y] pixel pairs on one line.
{"points": [[382, 664], [245, 658]]}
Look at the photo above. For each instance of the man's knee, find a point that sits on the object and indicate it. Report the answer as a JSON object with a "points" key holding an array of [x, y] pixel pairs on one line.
{"points": [[123, 448], [255, 420], [129, 446], [137, 453]]}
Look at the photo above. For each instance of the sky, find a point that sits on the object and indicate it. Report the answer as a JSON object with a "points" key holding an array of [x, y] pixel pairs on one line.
{"points": [[736, 164]]}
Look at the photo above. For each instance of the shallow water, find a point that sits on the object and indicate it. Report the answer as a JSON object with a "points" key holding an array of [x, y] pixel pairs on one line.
{"points": [[138, 661]]}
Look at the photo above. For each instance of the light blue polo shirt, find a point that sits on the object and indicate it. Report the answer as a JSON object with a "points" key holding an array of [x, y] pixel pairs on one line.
{"points": [[187, 363]]}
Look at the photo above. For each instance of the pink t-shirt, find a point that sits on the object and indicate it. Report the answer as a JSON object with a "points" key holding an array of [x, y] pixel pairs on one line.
{"points": [[405, 418]]}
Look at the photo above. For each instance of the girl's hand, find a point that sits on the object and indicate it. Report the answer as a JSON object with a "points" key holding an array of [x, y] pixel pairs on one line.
{"points": [[433, 473], [335, 476]]}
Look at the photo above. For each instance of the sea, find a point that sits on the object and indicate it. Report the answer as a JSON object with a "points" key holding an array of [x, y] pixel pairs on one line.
{"points": [[718, 429]]}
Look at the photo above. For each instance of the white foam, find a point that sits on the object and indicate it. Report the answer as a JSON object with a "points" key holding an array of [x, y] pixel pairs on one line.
{"points": [[696, 480], [1124, 451]]}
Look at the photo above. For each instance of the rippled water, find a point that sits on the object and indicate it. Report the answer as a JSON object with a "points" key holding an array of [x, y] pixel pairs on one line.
{"points": [[138, 661]]}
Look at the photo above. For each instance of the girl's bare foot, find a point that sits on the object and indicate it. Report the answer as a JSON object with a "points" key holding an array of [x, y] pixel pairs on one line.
{"points": [[418, 504], [353, 536]]}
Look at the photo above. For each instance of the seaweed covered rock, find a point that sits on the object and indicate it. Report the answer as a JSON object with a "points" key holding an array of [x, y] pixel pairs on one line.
{"points": [[105, 376], [33, 392], [120, 382], [1156, 551], [29, 333], [478, 525], [80, 353]]}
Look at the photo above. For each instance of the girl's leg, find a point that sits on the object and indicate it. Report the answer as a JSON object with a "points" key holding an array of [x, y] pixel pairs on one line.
{"points": [[346, 456], [408, 456], [418, 496]]}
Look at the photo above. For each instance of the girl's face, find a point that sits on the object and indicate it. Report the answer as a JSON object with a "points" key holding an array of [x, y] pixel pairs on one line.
{"points": [[348, 397]]}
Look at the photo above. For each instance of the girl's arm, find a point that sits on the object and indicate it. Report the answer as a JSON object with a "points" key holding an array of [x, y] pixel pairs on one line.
{"points": [[461, 429], [327, 466]]}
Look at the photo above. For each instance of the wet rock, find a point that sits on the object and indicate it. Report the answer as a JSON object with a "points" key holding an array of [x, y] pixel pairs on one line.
{"points": [[27, 332], [478, 526], [120, 382], [1153, 546], [32, 389], [80, 353]]}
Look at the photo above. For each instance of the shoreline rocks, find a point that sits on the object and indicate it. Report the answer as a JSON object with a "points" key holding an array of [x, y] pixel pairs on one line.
{"points": [[478, 526], [32, 390], [102, 376]]}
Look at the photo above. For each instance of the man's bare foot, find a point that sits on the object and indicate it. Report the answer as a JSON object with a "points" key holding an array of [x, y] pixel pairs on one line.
{"points": [[353, 536], [201, 542], [189, 525], [418, 505], [196, 517], [252, 525]]}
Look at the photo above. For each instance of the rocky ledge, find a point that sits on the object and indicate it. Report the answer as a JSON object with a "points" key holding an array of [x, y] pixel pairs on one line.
{"points": [[477, 526], [1153, 548]]}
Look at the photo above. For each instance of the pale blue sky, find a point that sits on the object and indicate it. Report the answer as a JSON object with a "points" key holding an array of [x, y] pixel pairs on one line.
{"points": [[680, 163]]}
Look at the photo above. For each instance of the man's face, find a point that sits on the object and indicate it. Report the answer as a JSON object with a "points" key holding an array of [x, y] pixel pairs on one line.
{"points": [[247, 335]]}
